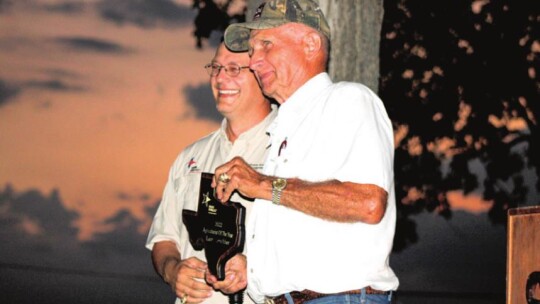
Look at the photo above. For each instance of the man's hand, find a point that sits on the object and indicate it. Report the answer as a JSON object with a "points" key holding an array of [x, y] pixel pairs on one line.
{"points": [[187, 279], [241, 177], [235, 276]]}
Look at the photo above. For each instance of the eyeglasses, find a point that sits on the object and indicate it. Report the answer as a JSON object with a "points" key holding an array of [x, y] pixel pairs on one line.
{"points": [[232, 69]]}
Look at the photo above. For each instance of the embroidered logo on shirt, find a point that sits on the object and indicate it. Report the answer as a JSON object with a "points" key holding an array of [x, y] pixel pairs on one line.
{"points": [[257, 167], [192, 165]]}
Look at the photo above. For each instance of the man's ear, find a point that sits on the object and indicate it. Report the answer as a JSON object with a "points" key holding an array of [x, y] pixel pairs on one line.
{"points": [[312, 44]]}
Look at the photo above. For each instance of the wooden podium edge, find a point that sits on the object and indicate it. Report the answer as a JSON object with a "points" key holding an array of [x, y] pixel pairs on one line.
{"points": [[512, 213], [524, 210]]}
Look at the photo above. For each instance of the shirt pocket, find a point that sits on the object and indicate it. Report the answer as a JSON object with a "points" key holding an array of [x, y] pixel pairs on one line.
{"points": [[188, 191]]}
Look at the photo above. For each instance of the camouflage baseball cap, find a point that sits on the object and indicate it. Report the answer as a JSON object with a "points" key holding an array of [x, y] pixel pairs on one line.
{"points": [[273, 13]]}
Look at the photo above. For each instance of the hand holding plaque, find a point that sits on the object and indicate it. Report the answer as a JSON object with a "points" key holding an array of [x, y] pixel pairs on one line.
{"points": [[216, 227]]}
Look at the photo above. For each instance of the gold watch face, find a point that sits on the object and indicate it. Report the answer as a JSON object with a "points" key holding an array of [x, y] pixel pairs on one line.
{"points": [[279, 183]]}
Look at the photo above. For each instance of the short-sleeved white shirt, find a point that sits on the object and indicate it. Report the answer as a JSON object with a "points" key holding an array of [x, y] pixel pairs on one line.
{"points": [[324, 131], [182, 187]]}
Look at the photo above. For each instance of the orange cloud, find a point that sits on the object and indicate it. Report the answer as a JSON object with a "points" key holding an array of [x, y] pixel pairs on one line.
{"points": [[471, 203]]}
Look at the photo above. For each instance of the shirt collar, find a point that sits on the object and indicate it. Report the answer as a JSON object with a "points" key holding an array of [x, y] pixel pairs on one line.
{"points": [[301, 98], [255, 130], [299, 104]]}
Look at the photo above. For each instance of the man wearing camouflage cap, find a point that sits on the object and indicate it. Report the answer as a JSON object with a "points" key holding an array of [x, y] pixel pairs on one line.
{"points": [[323, 219]]}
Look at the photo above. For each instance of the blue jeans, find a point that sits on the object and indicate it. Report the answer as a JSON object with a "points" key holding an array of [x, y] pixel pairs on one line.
{"points": [[361, 298]]}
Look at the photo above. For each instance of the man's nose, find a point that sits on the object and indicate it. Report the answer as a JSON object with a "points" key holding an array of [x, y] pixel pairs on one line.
{"points": [[255, 61]]}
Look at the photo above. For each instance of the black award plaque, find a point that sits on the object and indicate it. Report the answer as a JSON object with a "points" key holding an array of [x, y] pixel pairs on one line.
{"points": [[217, 228]]}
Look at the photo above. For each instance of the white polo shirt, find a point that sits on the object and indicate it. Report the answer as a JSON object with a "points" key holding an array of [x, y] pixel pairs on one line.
{"points": [[324, 131], [182, 187]]}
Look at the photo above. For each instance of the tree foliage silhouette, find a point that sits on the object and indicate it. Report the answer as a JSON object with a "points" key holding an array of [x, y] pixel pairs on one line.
{"points": [[460, 82], [461, 86], [211, 17]]}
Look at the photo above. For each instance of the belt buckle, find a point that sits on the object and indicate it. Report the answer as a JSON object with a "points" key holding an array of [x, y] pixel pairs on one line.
{"points": [[268, 300]]}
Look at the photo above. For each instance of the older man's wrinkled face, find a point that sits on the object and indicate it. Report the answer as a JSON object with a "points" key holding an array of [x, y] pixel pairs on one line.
{"points": [[234, 94], [277, 58]]}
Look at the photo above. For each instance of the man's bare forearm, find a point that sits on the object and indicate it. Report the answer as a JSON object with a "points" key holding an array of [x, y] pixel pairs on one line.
{"points": [[165, 254], [331, 200], [336, 201]]}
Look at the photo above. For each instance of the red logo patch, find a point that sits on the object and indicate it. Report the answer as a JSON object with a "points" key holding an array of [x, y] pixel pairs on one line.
{"points": [[191, 162]]}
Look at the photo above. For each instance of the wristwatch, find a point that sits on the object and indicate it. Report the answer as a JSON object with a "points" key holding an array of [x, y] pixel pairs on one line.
{"points": [[277, 187]]}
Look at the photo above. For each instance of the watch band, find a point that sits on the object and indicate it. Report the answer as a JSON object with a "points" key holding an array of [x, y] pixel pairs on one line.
{"points": [[276, 196], [277, 187]]}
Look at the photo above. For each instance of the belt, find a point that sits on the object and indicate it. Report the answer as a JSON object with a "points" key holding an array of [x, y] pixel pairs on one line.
{"points": [[307, 295]]}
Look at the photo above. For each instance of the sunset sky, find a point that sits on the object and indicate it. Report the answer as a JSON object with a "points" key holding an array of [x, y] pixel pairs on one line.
{"points": [[96, 100], [100, 109]]}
